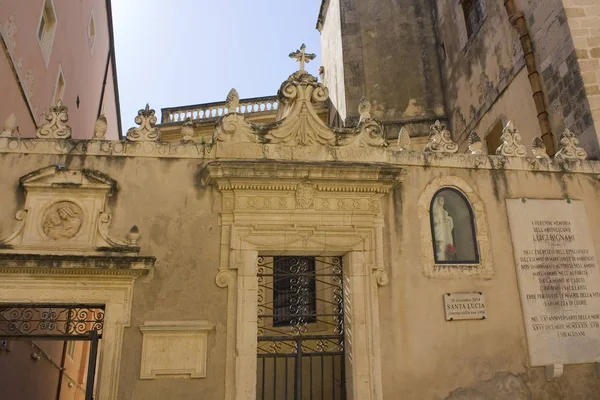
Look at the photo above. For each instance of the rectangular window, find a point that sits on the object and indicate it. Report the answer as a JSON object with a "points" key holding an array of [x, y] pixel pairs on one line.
{"points": [[42, 28], [59, 90], [47, 29], [294, 294], [473, 12], [493, 138]]}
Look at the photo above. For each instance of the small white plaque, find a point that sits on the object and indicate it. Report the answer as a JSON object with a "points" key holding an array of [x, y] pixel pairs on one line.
{"points": [[464, 306], [174, 349], [558, 279]]}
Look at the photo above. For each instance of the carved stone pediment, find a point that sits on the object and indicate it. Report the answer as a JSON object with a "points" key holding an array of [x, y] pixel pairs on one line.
{"points": [[298, 123], [65, 213]]}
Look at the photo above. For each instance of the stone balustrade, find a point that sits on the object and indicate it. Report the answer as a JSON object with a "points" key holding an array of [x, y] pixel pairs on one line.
{"points": [[214, 110]]}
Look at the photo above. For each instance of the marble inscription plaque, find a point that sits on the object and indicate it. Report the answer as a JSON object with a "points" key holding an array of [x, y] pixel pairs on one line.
{"points": [[558, 280], [464, 306]]}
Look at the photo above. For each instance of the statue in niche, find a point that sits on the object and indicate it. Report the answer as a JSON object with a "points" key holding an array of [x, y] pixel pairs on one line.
{"points": [[442, 230], [62, 220]]}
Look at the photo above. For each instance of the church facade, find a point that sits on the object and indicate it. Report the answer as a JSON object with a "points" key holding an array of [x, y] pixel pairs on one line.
{"points": [[296, 259]]}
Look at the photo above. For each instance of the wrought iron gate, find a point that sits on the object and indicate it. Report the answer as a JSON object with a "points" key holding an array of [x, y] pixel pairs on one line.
{"points": [[300, 328], [57, 322]]}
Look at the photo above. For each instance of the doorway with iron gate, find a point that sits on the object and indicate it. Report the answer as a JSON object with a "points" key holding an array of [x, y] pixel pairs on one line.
{"points": [[49, 351], [300, 343]]}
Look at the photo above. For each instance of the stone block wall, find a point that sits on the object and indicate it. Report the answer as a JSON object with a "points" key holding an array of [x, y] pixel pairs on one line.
{"points": [[582, 19], [389, 54]]}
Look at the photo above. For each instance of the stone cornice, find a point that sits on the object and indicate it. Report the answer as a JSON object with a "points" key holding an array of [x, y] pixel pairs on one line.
{"points": [[263, 152], [19, 263], [327, 176]]}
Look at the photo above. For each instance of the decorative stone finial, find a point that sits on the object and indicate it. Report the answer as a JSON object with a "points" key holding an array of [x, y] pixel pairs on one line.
{"points": [[133, 235], [440, 140], [568, 148], [56, 127], [233, 101], [100, 127], [302, 57], [475, 143], [539, 148], [145, 132], [187, 130], [403, 139], [10, 126], [511, 142], [364, 108]]}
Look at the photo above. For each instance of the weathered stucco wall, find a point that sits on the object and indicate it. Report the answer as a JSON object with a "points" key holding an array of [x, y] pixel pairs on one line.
{"points": [[426, 357], [177, 218], [423, 356]]}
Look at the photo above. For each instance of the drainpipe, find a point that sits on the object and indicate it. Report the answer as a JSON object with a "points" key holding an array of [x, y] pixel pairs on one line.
{"points": [[518, 21]]}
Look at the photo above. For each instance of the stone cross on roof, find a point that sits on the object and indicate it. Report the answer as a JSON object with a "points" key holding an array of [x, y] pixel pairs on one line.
{"points": [[302, 57]]}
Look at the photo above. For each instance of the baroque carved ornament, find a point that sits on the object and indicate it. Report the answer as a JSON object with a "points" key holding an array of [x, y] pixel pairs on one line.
{"points": [[298, 123], [145, 132], [511, 142], [10, 126], [56, 126], [440, 140], [539, 148], [569, 149], [475, 144]]}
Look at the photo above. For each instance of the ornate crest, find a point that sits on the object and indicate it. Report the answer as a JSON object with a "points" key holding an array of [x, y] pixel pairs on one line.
{"points": [[62, 220], [511, 142], [100, 128], [187, 130], [145, 132], [568, 148], [56, 127], [305, 195], [539, 148], [440, 139], [475, 143]]}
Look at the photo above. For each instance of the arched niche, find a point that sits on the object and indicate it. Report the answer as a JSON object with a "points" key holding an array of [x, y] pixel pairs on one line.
{"points": [[453, 228], [476, 263]]}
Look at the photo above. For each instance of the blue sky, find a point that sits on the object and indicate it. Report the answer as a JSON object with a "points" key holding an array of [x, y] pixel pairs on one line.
{"points": [[186, 52]]}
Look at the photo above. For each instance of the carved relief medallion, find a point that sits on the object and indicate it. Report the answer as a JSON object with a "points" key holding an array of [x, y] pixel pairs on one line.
{"points": [[62, 220], [305, 195]]}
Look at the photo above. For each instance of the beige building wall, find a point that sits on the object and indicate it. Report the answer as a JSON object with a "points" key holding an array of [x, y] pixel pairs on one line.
{"points": [[423, 356], [77, 43]]}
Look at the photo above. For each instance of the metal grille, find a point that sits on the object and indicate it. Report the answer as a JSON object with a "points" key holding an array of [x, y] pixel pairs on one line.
{"points": [[57, 321], [300, 328]]}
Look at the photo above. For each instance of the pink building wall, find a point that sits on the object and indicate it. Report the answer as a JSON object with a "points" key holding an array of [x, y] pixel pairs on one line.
{"points": [[28, 84]]}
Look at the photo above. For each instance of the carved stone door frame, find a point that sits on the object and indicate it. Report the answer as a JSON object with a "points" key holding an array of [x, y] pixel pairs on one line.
{"points": [[114, 290], [320, 211]]}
